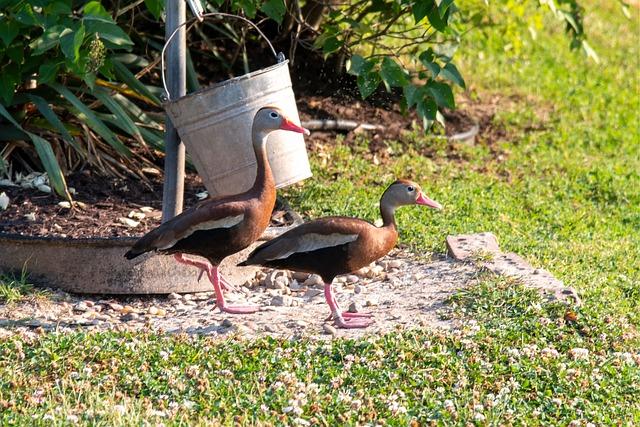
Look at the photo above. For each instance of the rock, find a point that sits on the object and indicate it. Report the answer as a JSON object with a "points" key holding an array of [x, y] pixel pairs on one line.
{"points": [[340, 280], [191, 303], [130, 316], [127, 309], [153, 310], [295, 285], [81, 306], [298, 275], [371, 302], [271, 328], [352, 278], [146, 209], [358, 289], [314, 280], [88, 303], [187, 297], [31, 217], [44, 188], [395, 263], [226, 323], [312, 293], [281, 283], [276, 280], [363, 272], [161, 312], [174, 296], [64, 205], [128, 222], [375, 271], [465, 246], [138, 216], [329, 330], [282, 301], [354, 307]]}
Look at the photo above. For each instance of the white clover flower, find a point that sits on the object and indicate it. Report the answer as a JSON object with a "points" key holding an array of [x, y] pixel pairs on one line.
{"points": [[72, 418], [119, 409], [47, 417], [187, 404], [549, 353], [344, 396], [164, 355], [578, 353], [478, 408], [479, 417]]}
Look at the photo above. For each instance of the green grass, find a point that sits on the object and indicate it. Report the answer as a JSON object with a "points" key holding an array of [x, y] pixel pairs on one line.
{"points": [[565, 196], [14, 288]]}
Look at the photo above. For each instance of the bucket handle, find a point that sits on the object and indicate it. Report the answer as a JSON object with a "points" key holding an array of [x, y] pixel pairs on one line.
{"points": [[279, 57]]}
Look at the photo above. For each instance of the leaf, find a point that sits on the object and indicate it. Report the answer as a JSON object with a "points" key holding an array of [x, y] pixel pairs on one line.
{"points": [[590, 52], [427, 110], [8, 82], [274, 9], [357, 65], [125, 120], [331, 44], [124, 74], [113, 36], [46, 155], [368, 83], [87, 116], [47, 72], [58, 8], [392, 73], [451, 73], [43, 106], [421, 8], [95, 9], [444, 6], [438, 22], [412, 93], [442, 94], [49, 39], [71, 42], [8, 30], [249, 7], [155, 7]]}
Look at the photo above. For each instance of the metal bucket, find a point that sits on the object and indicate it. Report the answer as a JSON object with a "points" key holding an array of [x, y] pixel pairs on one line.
{"points": [[215, 125]]}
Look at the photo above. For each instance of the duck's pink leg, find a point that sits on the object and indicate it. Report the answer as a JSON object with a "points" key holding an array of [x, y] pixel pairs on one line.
{"points": [[214, 277], [202, 265], [344, 319], [346, 314]]}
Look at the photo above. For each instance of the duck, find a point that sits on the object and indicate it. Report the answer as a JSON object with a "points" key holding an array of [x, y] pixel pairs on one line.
{"points": [[337, 245], [222, 226]]}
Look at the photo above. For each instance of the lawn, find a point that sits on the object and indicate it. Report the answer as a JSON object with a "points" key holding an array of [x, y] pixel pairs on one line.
{"points": [[561, 187]]}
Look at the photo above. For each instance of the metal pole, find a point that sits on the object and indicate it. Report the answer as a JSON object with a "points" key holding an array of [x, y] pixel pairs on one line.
{"points": [[173, 190]]}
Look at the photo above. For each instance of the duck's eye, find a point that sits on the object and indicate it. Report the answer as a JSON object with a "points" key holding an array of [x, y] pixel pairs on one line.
{"points": [[410, 189], [274, 115]]}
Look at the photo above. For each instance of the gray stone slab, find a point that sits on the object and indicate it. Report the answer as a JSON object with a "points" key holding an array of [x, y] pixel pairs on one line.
{"points": [[98, 266], [483, 248]]}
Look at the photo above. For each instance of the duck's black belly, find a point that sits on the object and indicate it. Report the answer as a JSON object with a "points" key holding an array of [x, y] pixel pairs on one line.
{"points": [[214, 245], [327, 262]]}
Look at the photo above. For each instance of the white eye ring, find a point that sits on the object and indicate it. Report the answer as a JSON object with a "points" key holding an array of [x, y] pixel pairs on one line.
{"points": [[274, 115], [410, 189]]}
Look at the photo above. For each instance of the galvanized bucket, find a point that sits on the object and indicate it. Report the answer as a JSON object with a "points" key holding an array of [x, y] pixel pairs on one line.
{"points": [[215, 125]]}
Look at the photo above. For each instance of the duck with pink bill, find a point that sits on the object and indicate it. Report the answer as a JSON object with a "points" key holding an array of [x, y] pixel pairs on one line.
{"points": [[221, 226], [339, 245]]}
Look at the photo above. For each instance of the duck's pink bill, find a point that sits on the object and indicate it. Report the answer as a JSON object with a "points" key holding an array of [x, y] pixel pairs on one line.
{"points": [[424, 200], [289, 125]]}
